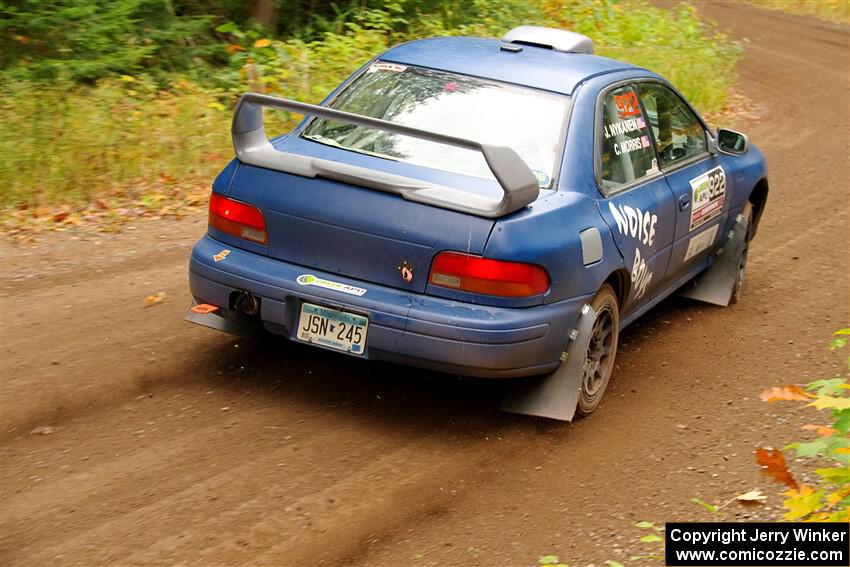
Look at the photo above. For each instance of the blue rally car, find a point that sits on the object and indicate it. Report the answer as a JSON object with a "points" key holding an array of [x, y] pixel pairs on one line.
{"points": [[492, 208]]}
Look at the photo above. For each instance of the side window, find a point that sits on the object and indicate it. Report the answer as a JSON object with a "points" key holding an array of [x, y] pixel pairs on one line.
{"points": [[679, 135], [626, 151]]}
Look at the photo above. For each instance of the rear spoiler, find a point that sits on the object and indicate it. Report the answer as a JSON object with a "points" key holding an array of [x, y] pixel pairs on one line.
{"points": [[253, 147]]}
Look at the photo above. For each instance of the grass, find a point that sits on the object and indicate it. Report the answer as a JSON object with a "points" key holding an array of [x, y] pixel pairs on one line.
{"points": [[830, 10], [62, 144], [68, 145]]}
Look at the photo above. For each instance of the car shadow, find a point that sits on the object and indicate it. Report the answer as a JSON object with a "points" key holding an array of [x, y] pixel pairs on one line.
{"points": [[392, 395]]}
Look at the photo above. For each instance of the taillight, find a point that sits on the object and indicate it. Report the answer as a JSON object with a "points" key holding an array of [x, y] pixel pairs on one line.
{"points": [[237, 218], [466, 272]]}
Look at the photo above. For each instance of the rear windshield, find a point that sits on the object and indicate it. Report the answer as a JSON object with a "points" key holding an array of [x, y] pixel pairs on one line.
{"points": [[527, 120]]}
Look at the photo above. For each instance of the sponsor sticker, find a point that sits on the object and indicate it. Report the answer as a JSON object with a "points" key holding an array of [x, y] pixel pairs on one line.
{"points": [[310, 279], [701, 242], [221, 255], [543, 180], [393, 67], [708, 196]]}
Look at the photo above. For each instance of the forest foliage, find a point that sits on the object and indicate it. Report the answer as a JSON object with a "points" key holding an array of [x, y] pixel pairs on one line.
{"points": [[124, 99]]}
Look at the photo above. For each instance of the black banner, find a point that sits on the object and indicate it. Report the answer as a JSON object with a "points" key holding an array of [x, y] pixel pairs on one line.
{"points": [[762, 544]]}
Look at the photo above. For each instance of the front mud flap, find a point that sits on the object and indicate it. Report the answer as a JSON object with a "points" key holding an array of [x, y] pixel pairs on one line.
{"points": [[555, 395], [717, 284], [240, 326]]}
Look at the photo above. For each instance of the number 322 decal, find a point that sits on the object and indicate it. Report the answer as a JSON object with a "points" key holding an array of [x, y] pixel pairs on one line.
{"points": [[627, 104]]}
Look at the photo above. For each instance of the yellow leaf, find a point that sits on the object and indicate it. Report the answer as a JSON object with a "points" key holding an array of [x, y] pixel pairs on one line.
{"points": [[754, 495], [842, 451], [830, 402], [802, 502], [837, 496], [128, 78], [262, 43], [154, 299]]}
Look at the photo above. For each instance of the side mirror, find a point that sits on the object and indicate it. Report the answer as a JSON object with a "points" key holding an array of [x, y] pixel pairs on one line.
{"points": [[731, 142]]}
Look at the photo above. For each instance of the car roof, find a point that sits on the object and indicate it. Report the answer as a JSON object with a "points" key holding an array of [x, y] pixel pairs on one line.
{"points": [[537, 67]]}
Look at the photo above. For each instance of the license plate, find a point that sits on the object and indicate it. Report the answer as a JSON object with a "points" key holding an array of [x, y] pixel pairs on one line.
{"points": [[332, 328]]}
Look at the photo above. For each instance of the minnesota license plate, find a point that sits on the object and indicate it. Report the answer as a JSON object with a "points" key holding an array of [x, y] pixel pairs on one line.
{"points": [[332, 328]]}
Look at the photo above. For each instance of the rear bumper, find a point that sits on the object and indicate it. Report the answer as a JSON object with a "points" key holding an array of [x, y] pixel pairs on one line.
{"points": [[404, 327]]}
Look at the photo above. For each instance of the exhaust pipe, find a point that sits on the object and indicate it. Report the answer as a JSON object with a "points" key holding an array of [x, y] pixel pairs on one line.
{"points": [[245, 302]]}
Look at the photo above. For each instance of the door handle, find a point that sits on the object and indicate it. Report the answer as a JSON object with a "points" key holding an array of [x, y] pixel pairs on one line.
{"points": [[684, 202]]}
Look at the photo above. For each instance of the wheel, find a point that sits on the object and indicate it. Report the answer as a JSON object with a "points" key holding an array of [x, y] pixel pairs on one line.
{"points": [[742, 259], [601, 350]]}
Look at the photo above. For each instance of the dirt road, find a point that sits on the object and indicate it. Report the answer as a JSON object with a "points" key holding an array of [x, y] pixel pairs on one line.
{"points": [[171, 443]]}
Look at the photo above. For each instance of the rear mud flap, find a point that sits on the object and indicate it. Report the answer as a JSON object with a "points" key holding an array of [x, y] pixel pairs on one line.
{"points": [[239, 325], [717, 284], [555, 395]]}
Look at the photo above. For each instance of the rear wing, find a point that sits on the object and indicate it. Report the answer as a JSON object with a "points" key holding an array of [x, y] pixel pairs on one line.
{"points": [[253, 147]]}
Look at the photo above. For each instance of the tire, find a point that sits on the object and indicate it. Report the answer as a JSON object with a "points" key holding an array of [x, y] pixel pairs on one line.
{"points": [[742, 259], [601, 350]]}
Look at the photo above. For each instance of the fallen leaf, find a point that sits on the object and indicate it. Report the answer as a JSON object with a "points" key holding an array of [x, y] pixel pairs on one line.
{"points": [[647, 526], [837, 496], [60, 216], [710, 507], [650, 538], [43, 430], [829, 402], [813, 448], [822, 430], [784, 393], [835, 475], [772, 463], [233, 48], [802, 502], [754, 495], [262, 43], [155, 298]]}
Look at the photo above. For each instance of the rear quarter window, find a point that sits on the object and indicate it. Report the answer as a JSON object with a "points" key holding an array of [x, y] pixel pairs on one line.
{"points": [[624, 140]]}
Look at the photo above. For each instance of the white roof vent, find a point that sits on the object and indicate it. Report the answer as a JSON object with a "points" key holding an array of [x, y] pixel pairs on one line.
{"points": [[558, 40]]}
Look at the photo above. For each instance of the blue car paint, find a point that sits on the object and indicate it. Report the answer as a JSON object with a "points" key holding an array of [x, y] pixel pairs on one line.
{"points": [[434, 327], [433, 332], [533, 67]]}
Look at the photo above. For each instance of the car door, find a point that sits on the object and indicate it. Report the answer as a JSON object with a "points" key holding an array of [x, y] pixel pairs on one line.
{"points": [[697, 179], [637, 205]]}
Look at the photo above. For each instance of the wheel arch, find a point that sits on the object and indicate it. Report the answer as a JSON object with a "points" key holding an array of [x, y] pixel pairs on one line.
{"points": [[758, 199], [620, 281]]}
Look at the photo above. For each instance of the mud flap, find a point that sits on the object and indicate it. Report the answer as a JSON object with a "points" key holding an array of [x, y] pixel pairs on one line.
{"points": [[240, 326], [717, 284], [555, 395]]}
